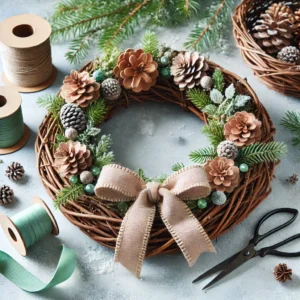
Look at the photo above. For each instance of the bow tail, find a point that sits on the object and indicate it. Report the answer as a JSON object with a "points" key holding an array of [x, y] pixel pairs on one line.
{"points": [[134, 234], [184, 227]]}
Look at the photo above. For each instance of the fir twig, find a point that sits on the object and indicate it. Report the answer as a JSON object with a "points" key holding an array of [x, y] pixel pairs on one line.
{"points": [[96, 112], [218, 80], [68, 193], [215, 132], [178, 166], [199, 98], [291, 121], [52, 103], [201, 156], [150, 43]]}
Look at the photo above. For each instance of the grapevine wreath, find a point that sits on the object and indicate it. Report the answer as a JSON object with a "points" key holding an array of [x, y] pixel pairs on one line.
{"points": [[75, 160]]}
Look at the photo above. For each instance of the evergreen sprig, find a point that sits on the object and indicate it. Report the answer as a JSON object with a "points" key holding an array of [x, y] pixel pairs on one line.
{"points": [[261, 152], [291, 121], [150, 43], [218, 80], [214, 131], [52, 103], [177, 166], [201, 156], [96, 112], [199, 98], [69, 193]]}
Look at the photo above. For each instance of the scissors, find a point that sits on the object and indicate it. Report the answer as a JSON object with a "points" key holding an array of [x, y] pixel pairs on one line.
{"points": [[233, 262]]}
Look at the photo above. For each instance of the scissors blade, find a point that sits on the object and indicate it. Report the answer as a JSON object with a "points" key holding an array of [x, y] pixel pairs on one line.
{"points": [[216, 268], [242, 257]]}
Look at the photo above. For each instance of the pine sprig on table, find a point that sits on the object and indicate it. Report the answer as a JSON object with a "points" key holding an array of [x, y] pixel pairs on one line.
{"points": [[199, 98], [291, 121], [261, 152], [214, 131], [203, 155], [69, 193], [52, 103], [96, 112], [150, 43]]}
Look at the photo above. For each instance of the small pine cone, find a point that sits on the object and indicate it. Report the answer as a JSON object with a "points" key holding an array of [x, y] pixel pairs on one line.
{"points": [[227, 149], [15, 171], [72, 116], [289, 54], [110, 89], [297, 27], [282, 273], [6, 195]]}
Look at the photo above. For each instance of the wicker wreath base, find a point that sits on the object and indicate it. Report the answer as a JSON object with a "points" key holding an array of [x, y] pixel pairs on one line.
{"points": [[276, 74], [94, 216]]}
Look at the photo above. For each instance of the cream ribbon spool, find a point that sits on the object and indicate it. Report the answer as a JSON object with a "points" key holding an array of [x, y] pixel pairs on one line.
{"points": [[26, 53], [10, 102]]}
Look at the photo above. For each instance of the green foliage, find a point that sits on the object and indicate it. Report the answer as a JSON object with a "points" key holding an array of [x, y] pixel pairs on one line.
{"points": [[89, 136], [218, 80], [159, 179], [261, 152], [201, 156], [69, 193], [178, 166], [59, 138], [150, 43], [215, 132], [108, 60], [52, 103], [291, 121], [199, 98], [96, 112]]}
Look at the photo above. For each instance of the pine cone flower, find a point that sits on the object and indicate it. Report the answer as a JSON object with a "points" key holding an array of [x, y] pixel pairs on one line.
{"points": [[297, 26], [80, 89], [222, 174], [6, 195], [275, 28], [188, 69], [283, 273], [71, 158], [15, 171], [136, 70], [243, 129]]}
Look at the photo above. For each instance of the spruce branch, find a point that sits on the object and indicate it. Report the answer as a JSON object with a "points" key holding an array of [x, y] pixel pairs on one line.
{"points": [[96, 112], [150, 43], [68, 193], [215, 132], [291, 121], [52, 103], [178, 166], [203, 155], [218, 80], [199, 98]]}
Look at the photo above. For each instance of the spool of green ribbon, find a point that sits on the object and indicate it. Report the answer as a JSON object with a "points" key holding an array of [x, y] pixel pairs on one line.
{"points": [[24, 230]]}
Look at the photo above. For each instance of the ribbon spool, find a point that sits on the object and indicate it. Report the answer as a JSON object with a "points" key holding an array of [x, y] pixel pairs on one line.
{"points": [[14, 134], [29, 226], [26, 53]]}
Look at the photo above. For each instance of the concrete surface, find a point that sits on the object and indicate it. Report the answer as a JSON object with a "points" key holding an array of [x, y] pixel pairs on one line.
{"points": [[151, 136]]}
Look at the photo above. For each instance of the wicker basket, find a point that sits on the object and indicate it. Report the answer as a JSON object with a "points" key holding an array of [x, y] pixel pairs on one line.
{"points": [[96, 219], [276, 74]]}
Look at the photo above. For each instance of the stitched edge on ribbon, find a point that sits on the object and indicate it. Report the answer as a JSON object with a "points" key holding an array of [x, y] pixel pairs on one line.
{"points": [[113, 187], [116, 166], [199, 184]]}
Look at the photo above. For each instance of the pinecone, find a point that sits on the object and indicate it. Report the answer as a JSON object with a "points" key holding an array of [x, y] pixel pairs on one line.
{"points": [[72, 157], [297, 27], [188, 69], [282, 273], [6, 195], [110, 89], [15, 171], [227, 149], [293, 179], [136, 70], [289, 54], [243, 129], [72, 116], [222, 174], [275, 28], [81, 89]]}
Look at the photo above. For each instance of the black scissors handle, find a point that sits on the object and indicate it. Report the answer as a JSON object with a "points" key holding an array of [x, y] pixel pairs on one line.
{"points": [[259, 237]]}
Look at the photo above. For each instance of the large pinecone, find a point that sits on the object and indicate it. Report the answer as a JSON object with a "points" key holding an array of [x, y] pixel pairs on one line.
{"points": [[6, 195], [188, 69], [243, 129], [79, 88], [136, 70], [275, 28], [289, 54], [72, 116], [15, 171], [282, 273], [297, 27], [222, 174], [72, 157]]}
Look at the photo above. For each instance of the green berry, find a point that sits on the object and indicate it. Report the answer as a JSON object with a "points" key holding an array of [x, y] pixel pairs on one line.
{"points": [[164, 60], [165, 72], [73, 179], [95, 170], [89, 189], [202, 203], [122, 207], [98, 75], [244, 168]]}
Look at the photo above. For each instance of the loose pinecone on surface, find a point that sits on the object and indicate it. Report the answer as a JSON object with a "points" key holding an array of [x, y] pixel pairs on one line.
{"points": [[293, 179], [188, 69], [243, 129], [72, 116], [289, 54], [15, 171], [283, 273], [79, 88], [275, 28], [72, 157], [136, 70], [227, 149], [6, 195]]}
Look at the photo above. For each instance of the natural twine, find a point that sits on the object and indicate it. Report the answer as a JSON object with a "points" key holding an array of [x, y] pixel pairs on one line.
{"points": [[27, 67]]}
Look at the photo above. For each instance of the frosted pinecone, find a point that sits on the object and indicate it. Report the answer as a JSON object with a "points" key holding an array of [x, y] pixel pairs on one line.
{"points": [[110, 89], [72, 116], [289, 54], [227, 149], [6, 195]]}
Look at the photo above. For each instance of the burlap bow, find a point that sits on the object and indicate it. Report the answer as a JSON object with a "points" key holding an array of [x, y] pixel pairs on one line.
{"points": [[117, 183]]}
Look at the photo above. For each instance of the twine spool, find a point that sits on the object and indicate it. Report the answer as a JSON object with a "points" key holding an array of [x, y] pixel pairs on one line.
{"points": [[26, 53], [14, 134], [29, 226]]}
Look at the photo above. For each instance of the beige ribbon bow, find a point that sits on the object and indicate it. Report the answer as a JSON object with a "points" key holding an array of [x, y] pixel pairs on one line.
{"points": [[117, 183]]}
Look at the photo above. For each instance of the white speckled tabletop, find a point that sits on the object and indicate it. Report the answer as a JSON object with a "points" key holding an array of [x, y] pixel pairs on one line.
{"points": [[152, 136]]}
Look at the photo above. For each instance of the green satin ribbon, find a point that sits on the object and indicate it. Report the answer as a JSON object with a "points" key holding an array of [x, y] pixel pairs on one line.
{"points": [[22, 278]]}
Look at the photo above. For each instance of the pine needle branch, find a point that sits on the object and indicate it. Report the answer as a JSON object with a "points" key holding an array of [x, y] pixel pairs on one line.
{"points": [[52, 103], [96, 112], [201, 156], [291, 121], [150, 43], [218, 80], [68, 193], [215, 132], [178, 166], [199, 98]]}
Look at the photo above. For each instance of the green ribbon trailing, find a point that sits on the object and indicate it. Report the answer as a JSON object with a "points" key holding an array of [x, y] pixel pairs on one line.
{"points": [[22, 278]]}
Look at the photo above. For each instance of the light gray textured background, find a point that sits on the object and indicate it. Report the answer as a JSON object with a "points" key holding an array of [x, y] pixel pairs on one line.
{"points": [[151, 136]]}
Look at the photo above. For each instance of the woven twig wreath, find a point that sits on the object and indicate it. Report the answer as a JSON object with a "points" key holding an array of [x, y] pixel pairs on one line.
{"points": [[97, 218], [276, 74]]}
